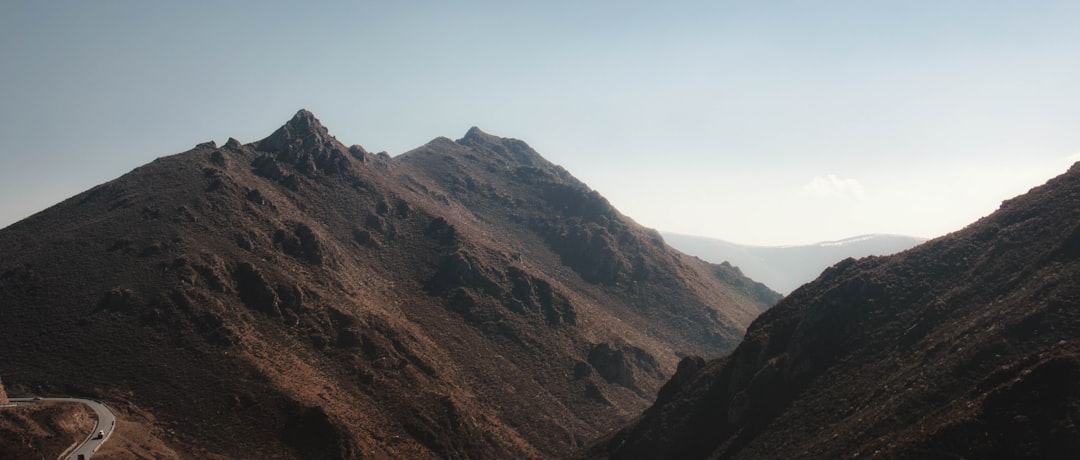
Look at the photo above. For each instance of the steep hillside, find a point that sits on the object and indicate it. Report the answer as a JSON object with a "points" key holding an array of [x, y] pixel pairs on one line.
{"points": [[785, 268], [964, 347], [301, 298]]}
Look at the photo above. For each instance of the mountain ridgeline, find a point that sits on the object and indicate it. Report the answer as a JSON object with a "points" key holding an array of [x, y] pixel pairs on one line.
{"points": [[295, 297], [785, 268], [967, 346]]}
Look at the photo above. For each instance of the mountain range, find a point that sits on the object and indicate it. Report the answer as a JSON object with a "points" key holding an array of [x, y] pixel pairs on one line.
{"points": [[295, 297], [785, 268], [967, 346]]}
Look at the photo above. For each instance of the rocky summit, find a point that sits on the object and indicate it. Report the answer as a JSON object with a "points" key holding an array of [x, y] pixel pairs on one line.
{"points": [[967, 346], [297, 298]]}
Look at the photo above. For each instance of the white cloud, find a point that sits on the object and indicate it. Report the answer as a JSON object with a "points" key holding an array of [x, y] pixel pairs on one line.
{"points": [[832, 185]]}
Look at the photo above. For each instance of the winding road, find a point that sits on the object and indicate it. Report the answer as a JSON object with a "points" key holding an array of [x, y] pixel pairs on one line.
{"points": [[106, 422]]}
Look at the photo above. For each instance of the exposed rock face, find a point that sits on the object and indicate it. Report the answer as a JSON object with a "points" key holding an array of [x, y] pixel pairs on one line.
{"points": [[964, 347], [468, 299], [3, 393]]}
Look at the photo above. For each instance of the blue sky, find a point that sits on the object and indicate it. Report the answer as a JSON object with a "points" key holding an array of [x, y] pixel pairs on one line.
{"points": [[754, 122]]}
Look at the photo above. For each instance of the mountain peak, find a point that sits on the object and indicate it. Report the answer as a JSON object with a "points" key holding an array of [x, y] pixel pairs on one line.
{"points": [[503, 147], [302, 133], [304, 124], [304, 118], [476, 134]]}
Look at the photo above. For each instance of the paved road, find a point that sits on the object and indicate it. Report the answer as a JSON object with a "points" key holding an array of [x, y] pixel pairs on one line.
{"points": [[106, 422]]}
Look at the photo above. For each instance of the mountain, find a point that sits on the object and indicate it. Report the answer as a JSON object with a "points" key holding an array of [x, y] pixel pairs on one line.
{"points": [[967, 346], [297, 298], [785, 268]]}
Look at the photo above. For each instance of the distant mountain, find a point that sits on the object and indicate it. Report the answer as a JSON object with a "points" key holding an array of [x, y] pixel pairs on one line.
{"points": [[785, 268], [297, 298], [967, 346]]}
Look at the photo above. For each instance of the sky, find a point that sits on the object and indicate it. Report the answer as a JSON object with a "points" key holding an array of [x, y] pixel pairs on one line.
{"points": [[765, 123]]}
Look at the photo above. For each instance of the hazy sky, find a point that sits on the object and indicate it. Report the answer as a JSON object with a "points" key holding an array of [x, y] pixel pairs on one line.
{"points": [[754, 122]]}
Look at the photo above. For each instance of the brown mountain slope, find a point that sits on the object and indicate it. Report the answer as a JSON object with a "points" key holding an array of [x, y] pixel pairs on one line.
{"points": [[43, 430], [964, 347], [294, 297]]}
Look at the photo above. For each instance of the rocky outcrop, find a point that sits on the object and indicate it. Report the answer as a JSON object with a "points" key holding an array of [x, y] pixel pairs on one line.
{"points": [[254, 290], [623, 365], [301, 243], [307, 145], [3, 393]]}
